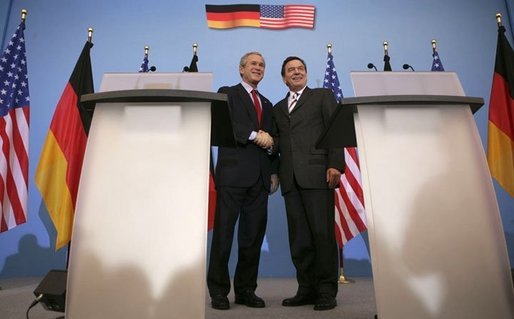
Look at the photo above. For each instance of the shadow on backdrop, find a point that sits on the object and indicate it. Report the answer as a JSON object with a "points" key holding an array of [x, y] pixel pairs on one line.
{"points": [[32, 259]]}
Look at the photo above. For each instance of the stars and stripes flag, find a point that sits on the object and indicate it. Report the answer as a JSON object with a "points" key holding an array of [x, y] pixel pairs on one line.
{"points": [[288, 16], [14, 132], [437, 65], [144, 65], [260, 16], [500, 149], [349, 200], [60, 165]]}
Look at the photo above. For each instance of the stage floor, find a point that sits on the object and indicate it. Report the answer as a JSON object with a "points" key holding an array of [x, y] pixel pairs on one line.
{"points": [[355, 301]]}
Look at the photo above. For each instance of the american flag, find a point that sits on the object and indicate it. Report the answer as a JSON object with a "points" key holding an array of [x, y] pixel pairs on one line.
{"points": [[437, 65], [350, 216], [287, 16], [144, 65], [14, 132]]}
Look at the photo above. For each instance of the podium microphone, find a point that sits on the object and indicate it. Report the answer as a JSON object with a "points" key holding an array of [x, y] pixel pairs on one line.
{"points": [[153, 68], [372, 66], [408, 66]]}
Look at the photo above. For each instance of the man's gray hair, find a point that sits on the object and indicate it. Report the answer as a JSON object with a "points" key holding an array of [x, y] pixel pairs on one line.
{"points": [[244, 58]]}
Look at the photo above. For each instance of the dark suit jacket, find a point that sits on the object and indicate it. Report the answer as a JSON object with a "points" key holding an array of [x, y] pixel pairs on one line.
{"points": [[242, 165], [296, 134]]}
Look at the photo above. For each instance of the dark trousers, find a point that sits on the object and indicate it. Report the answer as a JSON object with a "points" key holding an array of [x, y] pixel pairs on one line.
{"points": [[310, 220], [250, 205]]}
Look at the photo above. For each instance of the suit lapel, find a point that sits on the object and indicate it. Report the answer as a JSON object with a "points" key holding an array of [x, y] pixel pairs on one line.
{"points": [[266, 111], [304, 97], [247, 102], [282, 105]]}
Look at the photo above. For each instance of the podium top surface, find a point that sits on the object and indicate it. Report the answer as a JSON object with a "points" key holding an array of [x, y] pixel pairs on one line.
{"points": [[474, 102], [196, 81], [166, 87], [397, 89], [221, 126], [151, 95], [341, 129], [406, 83]]}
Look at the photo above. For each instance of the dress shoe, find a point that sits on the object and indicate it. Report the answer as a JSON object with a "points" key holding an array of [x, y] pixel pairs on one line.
{"points": [[325, 302], [249, 299], [220, 302], [299, 300]]}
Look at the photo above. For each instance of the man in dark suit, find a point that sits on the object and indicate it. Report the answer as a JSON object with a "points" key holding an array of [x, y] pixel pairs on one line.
{"points": [[243, 182], [308, 176]]}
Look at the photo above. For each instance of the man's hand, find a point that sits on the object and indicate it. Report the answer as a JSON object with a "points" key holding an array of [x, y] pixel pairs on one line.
{"points": [[333, 177], [263, 139], [274, 183]]}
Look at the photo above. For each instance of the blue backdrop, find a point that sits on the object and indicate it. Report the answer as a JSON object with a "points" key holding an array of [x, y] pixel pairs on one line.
{"points": [[465, 31]]}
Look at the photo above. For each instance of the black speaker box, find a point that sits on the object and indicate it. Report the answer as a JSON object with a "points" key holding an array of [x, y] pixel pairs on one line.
{"points": [[52, 290]]}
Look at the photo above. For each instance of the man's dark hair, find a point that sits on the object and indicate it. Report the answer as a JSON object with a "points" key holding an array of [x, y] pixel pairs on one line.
{"points": [[291, 58]]}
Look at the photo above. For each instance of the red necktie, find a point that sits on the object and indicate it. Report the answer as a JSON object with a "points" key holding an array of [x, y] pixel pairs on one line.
{"points": [[257, 106]]}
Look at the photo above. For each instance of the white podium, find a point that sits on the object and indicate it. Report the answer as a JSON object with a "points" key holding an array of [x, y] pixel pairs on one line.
{"points": [[437, 243], [139, 240]]}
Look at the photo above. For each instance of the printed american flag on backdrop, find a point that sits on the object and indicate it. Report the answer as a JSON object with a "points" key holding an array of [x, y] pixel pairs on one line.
{"points": [[350, 215], [437, 65], [287, 16], [14, 132]]}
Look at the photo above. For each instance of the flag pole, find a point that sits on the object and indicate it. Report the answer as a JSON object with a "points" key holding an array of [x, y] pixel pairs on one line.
{"points": [[387, 64], [147, 50], [499, 19], [89, 39], [23, 17], [342, 278], [192, 66], [89, 35], [144, 66]]}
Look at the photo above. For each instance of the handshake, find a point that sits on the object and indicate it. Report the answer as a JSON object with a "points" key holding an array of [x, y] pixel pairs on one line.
{"points": [[264, 140]]}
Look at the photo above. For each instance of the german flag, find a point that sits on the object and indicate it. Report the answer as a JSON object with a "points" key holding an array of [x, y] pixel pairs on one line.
{"points": [[233, 16], [60, 165], [500, 152]]}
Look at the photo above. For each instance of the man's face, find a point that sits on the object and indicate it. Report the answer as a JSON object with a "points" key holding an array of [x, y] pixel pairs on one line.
{"points": [[253, 71], [295, 76]]}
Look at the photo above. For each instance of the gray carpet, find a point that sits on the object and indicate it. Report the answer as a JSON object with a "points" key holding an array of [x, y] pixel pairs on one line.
{"points": [[355, 301]]}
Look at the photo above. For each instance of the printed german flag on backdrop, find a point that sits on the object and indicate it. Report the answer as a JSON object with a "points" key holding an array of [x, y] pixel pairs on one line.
{"points": [[260, 16], [58, 171], [500, 152]]}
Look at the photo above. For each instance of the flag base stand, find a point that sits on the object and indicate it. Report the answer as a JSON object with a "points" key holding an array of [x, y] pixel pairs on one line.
{"points": [[344, 280]]}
